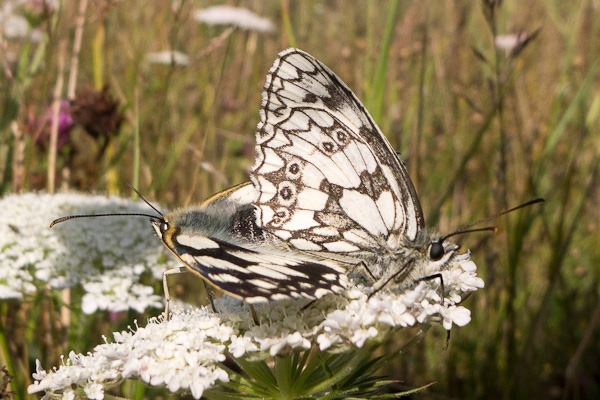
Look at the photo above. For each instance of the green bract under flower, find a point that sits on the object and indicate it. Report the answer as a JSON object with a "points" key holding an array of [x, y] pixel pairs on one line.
{"points": [[106, 256], [186, 351]]}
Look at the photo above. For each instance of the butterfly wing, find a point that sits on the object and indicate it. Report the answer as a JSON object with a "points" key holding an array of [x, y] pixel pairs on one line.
{"points": [[221, 242], [256, 276], [328, 179]]}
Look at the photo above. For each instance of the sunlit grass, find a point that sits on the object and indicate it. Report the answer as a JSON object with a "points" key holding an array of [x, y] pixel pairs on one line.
{"points": [[479, 129]]}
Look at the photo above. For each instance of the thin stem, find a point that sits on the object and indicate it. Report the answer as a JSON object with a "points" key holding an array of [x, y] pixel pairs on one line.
{"points": [[4, 60], [421, 109], [18, 159], [74, 68], [136, 137], [287, 23], [55, 113]]}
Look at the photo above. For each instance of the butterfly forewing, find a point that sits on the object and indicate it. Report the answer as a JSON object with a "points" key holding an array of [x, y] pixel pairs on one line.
{"points": [[327, 178]]}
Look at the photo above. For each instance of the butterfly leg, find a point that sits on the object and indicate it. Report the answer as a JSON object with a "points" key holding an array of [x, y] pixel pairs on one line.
{"points": [[210, 296], [441, 278], [432, 277], [254, 314], [436, 276], [381, 283], [310, 303], [363, 265], [177, 270]]}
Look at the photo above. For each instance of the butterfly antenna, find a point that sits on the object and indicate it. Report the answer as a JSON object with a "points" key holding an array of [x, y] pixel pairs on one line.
{"points": [[144, 200], [467, 228], [68, 217], [461, 231]]}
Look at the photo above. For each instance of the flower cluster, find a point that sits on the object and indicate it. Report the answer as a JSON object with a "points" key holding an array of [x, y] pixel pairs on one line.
{"points": [[186, 351], [168, 57], [18, 18], [106, 256], [338, 323], [234, 16], [40, 128], [181, 353]]}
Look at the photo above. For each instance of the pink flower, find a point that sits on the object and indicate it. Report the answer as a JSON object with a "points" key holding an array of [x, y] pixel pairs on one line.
{"points": [[40, 128], [65, 123]]}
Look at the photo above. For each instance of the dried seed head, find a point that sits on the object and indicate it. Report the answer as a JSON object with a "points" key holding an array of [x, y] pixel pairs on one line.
{"points": [[97, 112]]}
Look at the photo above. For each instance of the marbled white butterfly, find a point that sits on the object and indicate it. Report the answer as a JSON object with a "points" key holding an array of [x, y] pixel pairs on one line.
{"points": [[329, 193]]}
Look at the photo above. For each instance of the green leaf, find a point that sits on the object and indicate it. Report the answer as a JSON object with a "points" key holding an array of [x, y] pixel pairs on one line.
{"points": [[593, 112], [376, 94], [9, 112], [570, 112]]}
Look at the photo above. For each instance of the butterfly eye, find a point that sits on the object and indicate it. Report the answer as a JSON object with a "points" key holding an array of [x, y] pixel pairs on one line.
{"points": [[164, 226], [436, 250]]}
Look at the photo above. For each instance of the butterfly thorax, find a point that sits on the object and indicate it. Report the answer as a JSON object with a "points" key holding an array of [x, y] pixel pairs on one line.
{"points": [[233, 224]]}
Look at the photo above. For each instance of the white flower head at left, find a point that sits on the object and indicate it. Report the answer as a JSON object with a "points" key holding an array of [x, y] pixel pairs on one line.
{"points": [[107, 256], [183, 353]]}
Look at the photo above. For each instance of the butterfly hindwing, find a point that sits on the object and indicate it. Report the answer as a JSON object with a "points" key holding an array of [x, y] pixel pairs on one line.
{"points": [[327, 178], [255, 276]]}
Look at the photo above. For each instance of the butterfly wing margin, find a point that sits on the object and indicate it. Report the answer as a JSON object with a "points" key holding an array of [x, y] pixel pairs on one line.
{"points": [[327, 177]]}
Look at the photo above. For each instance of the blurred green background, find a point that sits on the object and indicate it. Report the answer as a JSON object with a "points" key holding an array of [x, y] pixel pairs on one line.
{"points": [[490, 103]]}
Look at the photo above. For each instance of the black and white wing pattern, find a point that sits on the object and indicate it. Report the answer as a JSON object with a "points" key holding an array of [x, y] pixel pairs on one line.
{"points": [[328, 180], [221, 242]]}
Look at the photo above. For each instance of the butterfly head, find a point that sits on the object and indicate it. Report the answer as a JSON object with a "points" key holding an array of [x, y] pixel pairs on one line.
{"points": [[174, 227], [429, 254], [161, 226], [171, 231], [413, 260], [435, 253], [436, 250]]}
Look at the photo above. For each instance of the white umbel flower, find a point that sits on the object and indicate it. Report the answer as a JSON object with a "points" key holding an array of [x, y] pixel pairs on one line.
{"points": [[168, 58], [106, 256], [15, 26], [234, 16], [182, 354]]}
